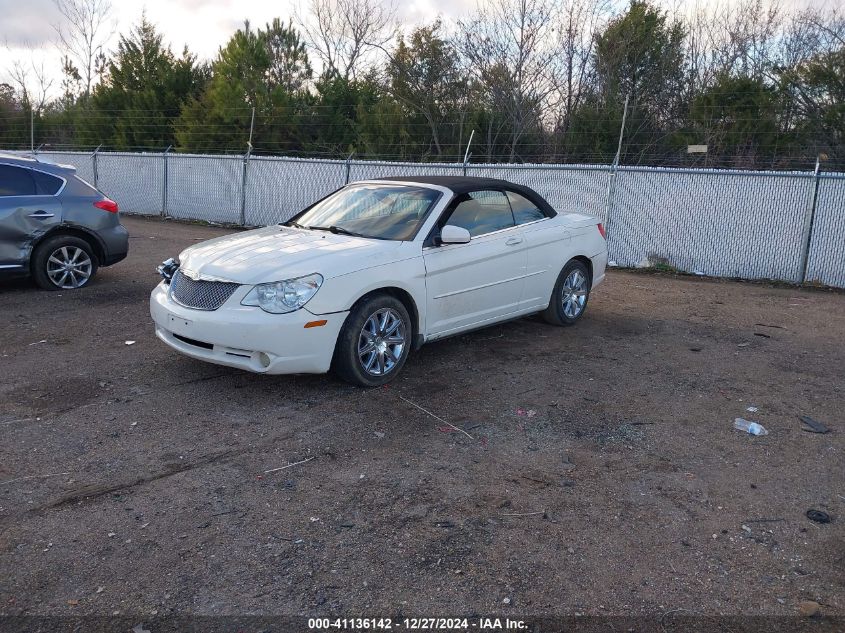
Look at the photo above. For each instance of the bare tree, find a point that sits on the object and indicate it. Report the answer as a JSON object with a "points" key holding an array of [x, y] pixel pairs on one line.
{"points": [[813, 50], [30, 78], [579, 22], [85, 28], [343, 32], [734, 38], [509, 47]]}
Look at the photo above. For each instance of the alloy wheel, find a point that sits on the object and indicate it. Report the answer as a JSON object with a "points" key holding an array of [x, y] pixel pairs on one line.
{"points": [[381, 342], [69, 267], [574, 294]]}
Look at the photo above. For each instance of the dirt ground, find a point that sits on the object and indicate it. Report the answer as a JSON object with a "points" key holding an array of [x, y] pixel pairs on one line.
{"points": [[603, 474]]}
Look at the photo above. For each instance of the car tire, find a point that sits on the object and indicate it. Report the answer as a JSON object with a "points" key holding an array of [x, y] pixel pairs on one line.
{"points": [[380, 322], [63, 262], [570, 295]]}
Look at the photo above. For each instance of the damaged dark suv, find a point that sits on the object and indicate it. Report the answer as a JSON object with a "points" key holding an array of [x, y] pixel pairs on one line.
{"points": [[54, 226]]}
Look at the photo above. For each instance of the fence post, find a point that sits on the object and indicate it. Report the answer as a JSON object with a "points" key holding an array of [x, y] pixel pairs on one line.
{"points": [[243, 185], [608, 207], [95, 166], [349, 166], [611, 184], [807, 235], [164, 182], [466, 153]]}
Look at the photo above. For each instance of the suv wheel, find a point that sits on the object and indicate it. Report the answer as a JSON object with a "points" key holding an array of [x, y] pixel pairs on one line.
{"points": [[63, 262]]}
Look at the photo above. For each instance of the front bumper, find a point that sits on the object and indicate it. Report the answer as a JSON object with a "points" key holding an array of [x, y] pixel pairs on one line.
{"points": [[246, 337]]}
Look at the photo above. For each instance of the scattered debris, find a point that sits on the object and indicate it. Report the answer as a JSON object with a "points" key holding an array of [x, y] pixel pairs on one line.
{"points": [[695, 349], [780, 327], [130, 343], [523, 514], [752, 428], [818, 516], [743, 344], [815, 425], [100, 589], [506, 601], [139, 628], [762, 335], [379, 435], [273, 470], [8, 481], [809, 608], [752, 409], [526, 412], [414, 404], [38, 342], [73, 603]]}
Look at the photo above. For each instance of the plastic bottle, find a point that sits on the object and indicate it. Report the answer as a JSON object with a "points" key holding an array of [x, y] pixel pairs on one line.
{"points": [[749, 427]]}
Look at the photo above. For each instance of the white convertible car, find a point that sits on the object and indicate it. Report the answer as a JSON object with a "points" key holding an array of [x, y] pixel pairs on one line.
{"points": [[359, 279]]}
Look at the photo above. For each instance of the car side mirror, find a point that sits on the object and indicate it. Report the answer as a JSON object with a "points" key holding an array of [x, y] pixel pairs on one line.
{"points": [[451, 234]]}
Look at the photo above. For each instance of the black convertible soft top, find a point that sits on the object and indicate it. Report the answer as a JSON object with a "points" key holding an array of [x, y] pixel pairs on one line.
{"points": [[466, 184]]}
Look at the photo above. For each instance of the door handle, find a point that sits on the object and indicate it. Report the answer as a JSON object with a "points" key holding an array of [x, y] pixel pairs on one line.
{"points": [[513, 241], [41, 215]]}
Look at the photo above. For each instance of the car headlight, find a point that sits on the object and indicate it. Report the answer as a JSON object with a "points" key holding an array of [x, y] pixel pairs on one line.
{"points": [[280, 297]]}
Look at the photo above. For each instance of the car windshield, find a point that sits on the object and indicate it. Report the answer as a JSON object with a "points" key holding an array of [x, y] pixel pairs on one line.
{"points": [[386, 212]]}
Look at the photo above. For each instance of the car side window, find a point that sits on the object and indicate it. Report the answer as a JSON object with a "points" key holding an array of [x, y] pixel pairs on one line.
{"points": [[45, 184], [482, 212], [16, 181], [524, 211]]}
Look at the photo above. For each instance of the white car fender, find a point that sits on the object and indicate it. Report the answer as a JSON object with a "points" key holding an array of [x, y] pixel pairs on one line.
{"points": [[340, 293]]}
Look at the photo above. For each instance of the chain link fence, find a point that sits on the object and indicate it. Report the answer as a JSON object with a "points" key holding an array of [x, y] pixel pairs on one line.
{"points": [[748, 224], [826, 250]]}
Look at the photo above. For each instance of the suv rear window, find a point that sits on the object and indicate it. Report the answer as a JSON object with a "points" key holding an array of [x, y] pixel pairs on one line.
{"points": [[45, 184], [16, 181]]}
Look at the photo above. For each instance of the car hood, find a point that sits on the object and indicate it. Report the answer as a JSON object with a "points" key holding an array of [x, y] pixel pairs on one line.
{"points": [[274, 253]]}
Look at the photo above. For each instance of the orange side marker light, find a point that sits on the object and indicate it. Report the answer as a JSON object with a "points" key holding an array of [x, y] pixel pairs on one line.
{"points": [[320, 323]]}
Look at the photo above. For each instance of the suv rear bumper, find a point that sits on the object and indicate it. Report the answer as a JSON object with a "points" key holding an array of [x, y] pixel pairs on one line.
{"points": [[115, 242]]}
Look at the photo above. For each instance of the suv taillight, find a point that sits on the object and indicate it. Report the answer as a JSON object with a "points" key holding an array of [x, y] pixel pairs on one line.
{"points": [[602, 231], [107, 204]]}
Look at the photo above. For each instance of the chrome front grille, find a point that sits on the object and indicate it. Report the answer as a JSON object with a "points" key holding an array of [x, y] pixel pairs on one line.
{"points": [[200, 294]]}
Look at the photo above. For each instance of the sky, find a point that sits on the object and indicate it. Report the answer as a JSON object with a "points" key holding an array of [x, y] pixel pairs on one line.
{"points": [[27, 27]]}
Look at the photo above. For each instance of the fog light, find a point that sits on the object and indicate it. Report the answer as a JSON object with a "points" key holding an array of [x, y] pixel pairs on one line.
{"points": [[264, 359]]}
